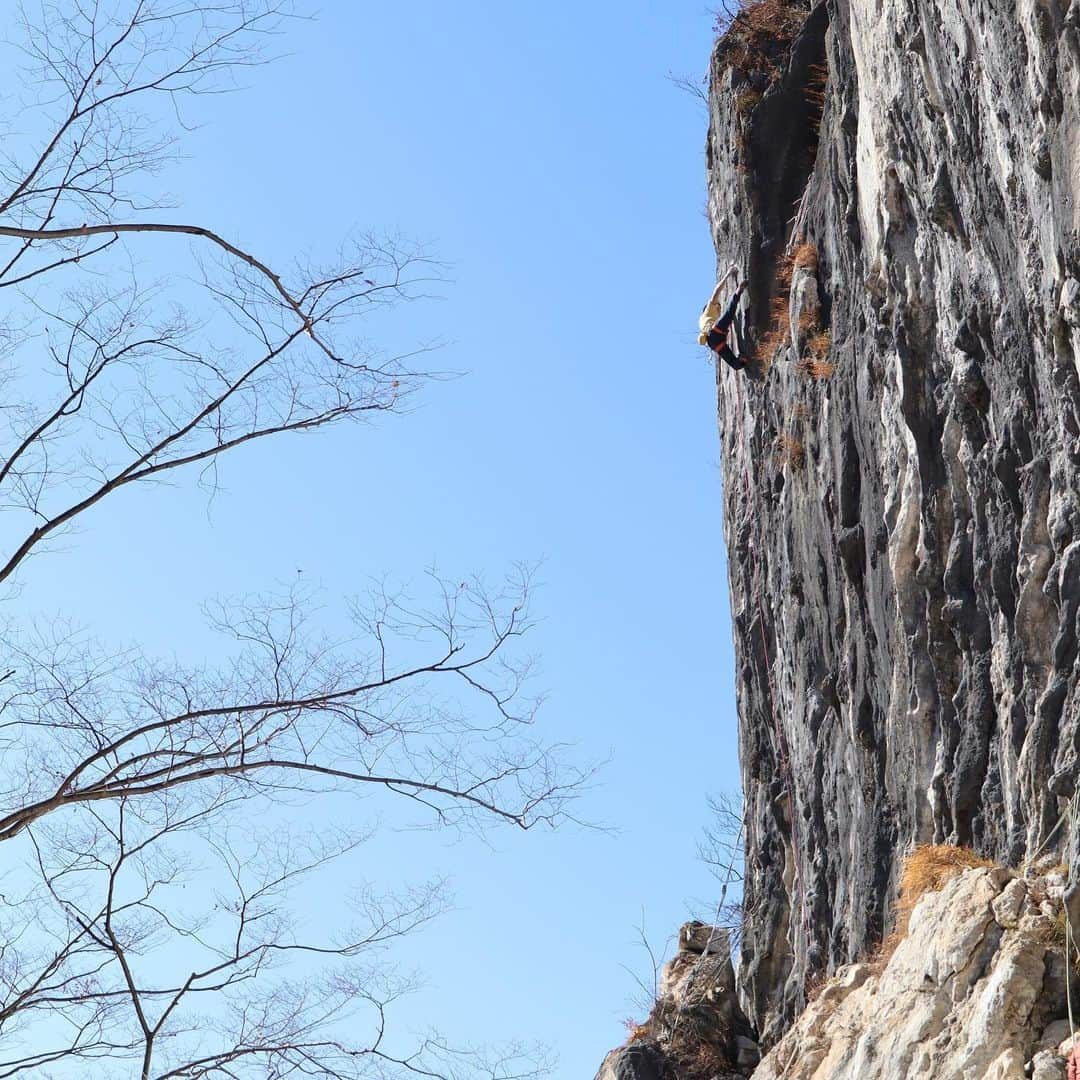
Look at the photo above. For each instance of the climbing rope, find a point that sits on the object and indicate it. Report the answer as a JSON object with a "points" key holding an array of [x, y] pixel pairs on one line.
{"points": [[779, 738]]}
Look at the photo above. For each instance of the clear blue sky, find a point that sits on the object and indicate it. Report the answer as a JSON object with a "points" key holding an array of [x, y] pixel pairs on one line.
{"points": [[543, 153]]}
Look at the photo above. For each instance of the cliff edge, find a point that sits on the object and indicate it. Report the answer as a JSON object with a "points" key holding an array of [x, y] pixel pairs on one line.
{"points": [[972, 984], [901, 182]]}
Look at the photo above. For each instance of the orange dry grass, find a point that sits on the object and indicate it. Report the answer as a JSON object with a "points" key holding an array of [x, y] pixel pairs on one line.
{"points": [[779, 333], [791, 451], [812, 368], [820, 344], [808, 320], [927, 869], [785, 270], [815, 85], [814, 92], [815, 366], [746, 101], [802, 256], [779, 313], [759, 34], [767, 346]]}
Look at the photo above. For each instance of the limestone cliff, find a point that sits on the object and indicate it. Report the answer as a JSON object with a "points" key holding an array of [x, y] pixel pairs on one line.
{"points": [[901, 182]]}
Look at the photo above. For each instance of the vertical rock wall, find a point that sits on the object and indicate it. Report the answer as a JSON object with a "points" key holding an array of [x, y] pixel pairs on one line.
{"points": [[903, 533]]}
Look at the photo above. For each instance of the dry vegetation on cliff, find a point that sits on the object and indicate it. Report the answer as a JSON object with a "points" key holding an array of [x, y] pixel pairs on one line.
{"points": [[814, 342], [927, 869], [696, 1029], [757, 34], [929, 671], [975, 987]]}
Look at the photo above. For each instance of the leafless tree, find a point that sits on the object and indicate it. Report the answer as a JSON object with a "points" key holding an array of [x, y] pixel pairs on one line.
{"points": [[721, 846], [143, 931], [696, 87], [725, 13], [647, 986], [722, 849]]}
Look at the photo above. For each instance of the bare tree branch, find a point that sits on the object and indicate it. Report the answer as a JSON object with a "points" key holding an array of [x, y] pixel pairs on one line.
{"points": [[151, 904]]}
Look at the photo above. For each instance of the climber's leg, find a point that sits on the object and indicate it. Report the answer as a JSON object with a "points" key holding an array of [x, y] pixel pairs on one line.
{"points": [[719, 344], [717, 337], [728, 317], [726, 354]]}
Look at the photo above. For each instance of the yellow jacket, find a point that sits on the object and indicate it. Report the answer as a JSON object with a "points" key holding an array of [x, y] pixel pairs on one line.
{"points": [[713, 311]]}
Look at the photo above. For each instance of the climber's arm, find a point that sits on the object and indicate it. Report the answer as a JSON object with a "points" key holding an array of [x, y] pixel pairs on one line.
{"points": [[729, 314], [712, 311]]}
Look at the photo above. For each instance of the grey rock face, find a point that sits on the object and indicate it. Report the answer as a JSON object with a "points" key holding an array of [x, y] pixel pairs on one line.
{"points": [[905, 562]]}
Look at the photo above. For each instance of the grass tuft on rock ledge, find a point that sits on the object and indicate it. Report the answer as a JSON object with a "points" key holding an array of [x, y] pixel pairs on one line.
{"points": [[927, 869], [755, 35]]}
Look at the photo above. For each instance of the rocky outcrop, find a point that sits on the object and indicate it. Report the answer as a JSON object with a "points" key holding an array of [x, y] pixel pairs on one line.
{"points": [[637, 1061], [902, 469], [696, 1030], [974, 983], [975, 989]]}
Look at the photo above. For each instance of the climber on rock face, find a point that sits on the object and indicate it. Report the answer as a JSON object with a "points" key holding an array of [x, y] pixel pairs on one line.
{"points": [[714, 324]]}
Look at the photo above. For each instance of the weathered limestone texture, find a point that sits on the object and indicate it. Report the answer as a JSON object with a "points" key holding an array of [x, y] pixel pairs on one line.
{"points": [[903, 532], [976, 989]]}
